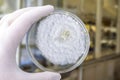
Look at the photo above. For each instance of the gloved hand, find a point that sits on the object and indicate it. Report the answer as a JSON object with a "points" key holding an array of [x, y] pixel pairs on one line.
{"points": [[12, 29]]}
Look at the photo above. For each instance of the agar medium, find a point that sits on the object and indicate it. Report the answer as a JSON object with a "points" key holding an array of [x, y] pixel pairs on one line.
{"points": [[61, 40]]}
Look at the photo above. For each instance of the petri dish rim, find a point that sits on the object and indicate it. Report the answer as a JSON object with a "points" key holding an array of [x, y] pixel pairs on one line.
{"points": [[87, 41]]}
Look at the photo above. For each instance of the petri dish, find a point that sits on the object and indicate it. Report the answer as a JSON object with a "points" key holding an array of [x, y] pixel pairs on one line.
{"points": [[58, 42]]}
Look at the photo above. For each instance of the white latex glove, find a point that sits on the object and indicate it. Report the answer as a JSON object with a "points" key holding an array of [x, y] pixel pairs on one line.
{"points": [[12, 29]]}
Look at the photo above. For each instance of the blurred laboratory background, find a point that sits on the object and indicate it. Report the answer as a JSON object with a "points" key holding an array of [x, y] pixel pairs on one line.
{"points": [[101, 18]]}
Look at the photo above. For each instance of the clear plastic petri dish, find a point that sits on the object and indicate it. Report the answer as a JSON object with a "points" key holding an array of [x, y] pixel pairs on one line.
{"points": [[59, 42]]}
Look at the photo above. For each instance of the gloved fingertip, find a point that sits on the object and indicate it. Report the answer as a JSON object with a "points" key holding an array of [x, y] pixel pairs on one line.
{"points": [[53, 75], [50, 6]]}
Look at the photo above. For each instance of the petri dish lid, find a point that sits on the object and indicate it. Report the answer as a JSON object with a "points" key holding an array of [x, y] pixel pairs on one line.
{"points": [[59, 42]]}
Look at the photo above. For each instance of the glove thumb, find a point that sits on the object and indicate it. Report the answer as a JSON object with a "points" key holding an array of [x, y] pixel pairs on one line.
{"points": [[42, 76]]}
